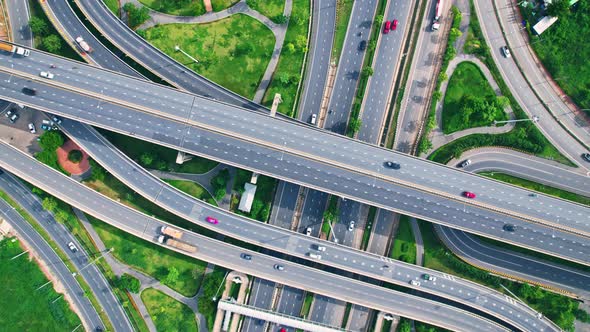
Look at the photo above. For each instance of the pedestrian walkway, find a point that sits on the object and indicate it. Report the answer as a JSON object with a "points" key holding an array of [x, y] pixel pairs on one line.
{"points": [[438, 138], [146, 280]]}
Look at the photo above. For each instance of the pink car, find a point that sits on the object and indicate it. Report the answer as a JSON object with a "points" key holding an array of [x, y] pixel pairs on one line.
{"points": [[468, 194], [386, 27], [212, 220]]}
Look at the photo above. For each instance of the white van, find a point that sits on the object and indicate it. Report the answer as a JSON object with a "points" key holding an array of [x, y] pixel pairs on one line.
{"points": [[314, 118]]}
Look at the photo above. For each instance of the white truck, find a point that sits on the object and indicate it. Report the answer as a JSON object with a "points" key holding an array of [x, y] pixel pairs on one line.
{"points": [[437, 15], [170, 236], [83, 45], [14, 49]]}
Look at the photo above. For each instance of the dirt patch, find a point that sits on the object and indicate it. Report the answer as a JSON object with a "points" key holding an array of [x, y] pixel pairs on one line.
{"points": [[66, 164]]}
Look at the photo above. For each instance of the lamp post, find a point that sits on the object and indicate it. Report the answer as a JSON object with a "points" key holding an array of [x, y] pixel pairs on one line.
{"points": [[178, 49], [534, 119]]}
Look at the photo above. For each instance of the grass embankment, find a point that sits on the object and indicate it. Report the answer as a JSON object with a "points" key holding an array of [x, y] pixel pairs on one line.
{"points": [[192, 189], [265, 188], [558, 308], [469, 100], [219, 5], [525, 136], [564, 49], [152, 259], [167, 313], [233, 52], [113, 6], [27, 308], [272, 9], [180, 8], [404, 246], [287, 76], [343, 12], [162, 158]]}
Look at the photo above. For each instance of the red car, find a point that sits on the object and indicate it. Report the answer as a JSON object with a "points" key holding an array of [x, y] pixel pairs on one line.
{"points": [[387, 27], [394, 25], [468, 194], [212, 220], [283, 329]]}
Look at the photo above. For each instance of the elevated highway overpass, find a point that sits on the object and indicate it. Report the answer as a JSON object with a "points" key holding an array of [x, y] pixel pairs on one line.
{"points": [[226, 255], [436, 198]]}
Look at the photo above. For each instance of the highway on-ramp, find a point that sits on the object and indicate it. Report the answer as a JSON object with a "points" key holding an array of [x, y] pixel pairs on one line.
{"points": [[260, 265]]}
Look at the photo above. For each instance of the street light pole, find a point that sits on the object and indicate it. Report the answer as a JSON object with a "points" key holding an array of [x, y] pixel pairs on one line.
{"points": [[178, 49], [534, 119], [214, 298], [93, 261]]}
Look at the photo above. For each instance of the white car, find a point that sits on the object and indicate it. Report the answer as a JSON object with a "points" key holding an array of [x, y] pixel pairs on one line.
{"points": [[466, 163], [313, 118], [72, 247], [308, 231], [351, 226], [32, 128], [506, 51], [414, 282], [47, 75]]}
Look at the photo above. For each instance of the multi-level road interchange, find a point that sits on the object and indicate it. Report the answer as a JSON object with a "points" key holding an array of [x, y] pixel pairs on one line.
{"points": [[404, 165], [289, 151]]}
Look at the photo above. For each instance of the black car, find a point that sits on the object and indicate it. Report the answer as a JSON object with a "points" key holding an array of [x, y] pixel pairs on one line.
{"points": [[586, 156], [509, 228], [29, 91], [392, 165], [363, 45], [246, 257]]}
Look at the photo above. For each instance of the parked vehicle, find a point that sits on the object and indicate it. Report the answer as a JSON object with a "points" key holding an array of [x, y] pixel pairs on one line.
{"points": [[308, 231], [586, 156], [32, 128], [13, 118], [45, 127], [313, 118], [8, 113]]}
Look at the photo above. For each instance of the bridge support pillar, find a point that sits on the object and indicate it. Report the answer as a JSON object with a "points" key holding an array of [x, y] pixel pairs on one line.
{"points": [[275, 104], [182, 157]]}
